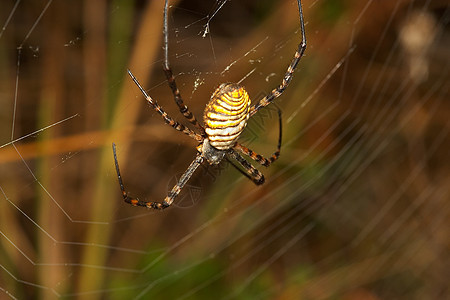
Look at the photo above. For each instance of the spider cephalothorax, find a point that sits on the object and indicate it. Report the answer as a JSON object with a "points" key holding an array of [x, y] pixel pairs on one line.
{"points": [[225, 117]]}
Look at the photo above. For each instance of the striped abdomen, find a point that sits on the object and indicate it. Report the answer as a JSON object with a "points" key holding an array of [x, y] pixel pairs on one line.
{"points": [[226, 115]]}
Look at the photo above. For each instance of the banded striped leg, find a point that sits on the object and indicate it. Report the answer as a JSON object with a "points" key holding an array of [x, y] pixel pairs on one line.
{"points": [[258, 158], [275, 93], [254, 174], [171, 79], [179, 101], [172, 194], [237, 168], [166, 117]]}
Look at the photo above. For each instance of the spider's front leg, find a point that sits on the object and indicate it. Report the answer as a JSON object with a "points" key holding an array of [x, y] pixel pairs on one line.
{"points": [[172, 194], [252, 173]]}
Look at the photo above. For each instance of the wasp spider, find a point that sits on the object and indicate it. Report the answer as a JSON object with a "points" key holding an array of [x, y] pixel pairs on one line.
{"points": [[225, 118]]}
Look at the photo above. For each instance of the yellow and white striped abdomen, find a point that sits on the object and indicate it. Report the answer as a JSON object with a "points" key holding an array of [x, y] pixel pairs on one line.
{"points": [[226, 115]]}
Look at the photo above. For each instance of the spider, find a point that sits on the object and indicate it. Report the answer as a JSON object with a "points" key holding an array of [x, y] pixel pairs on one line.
{"points": [[225, 117]]}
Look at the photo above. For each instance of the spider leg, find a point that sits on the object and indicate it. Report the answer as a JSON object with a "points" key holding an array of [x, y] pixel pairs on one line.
{"points": [[171, 79], [237, 168], [259, 158], [166, 117], [276, 92], [172, 194], [179, 101], [254, 174]]}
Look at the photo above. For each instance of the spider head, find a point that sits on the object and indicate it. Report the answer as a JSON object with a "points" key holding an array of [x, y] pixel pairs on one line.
{"points": [[212, 155]]}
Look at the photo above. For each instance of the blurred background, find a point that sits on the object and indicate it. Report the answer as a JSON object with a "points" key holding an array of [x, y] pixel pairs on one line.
{"points": [[355, 208]]}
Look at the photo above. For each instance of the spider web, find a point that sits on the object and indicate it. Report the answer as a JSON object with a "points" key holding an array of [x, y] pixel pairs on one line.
{"points": [[355, 208]]}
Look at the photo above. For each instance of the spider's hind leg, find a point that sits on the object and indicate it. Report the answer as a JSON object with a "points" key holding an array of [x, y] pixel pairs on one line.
{"points": [[168, 119], [171, 78], [179, 101], [276, 92]]}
